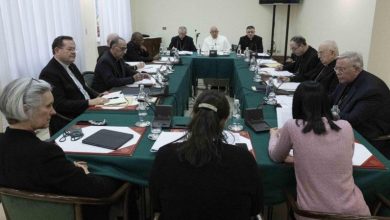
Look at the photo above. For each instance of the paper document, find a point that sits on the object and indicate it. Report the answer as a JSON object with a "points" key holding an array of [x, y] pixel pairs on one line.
{"points": [[263, 54], [133, 63], [167, 137], [266, 61], [148, 82], [185, 52], [284, 100], [288, 86], [151, 68], [235, 138], [283, 114], [78, 146], [115, 98], [273, 72], [360, 154]]}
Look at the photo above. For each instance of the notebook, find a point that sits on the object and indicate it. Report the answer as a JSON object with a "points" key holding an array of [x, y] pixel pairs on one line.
{"points": [[108, 139]]}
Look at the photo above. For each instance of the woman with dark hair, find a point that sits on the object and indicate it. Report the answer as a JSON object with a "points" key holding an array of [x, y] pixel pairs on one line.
{"points": [[203, 177], [323, 151]]}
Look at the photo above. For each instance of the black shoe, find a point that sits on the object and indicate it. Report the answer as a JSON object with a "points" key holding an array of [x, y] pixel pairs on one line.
{"points": [[214, 87]]}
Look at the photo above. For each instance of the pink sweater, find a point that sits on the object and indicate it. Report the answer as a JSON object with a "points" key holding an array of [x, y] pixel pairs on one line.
{"points": [[323, 167]]}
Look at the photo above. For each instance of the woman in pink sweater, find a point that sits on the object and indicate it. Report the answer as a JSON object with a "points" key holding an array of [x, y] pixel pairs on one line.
{"points": [[323, 151]]}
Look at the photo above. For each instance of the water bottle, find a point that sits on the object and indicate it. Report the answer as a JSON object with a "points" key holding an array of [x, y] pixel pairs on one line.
{"points": [[142, 111], [161, 49], [235, 122], [247, 54], [270, 93], [199, 50], [252, 64], [239, 51]]}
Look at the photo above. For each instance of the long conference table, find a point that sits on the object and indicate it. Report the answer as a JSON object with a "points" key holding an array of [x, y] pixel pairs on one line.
{"points": [[276, 176]]}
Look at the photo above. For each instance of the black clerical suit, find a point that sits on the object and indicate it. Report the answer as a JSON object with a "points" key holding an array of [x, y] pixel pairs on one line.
{"points": [[28, 163], [136, 53], [365, 103], [68, 99], [326, 76], [187, 43], [111, 72], [255, 44], [302, 65]]}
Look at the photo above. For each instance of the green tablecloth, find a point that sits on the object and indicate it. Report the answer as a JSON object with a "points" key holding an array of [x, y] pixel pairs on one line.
{"points": [[275, 176]]}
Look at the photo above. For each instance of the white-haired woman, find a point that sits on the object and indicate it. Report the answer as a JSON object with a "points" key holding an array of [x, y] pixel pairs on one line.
{"points": [[31, 164]]}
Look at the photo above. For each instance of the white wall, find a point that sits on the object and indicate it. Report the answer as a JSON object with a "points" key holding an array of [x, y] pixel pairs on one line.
{"points": [[378, 62], [230, 16], [90, 36], [348, 22]]}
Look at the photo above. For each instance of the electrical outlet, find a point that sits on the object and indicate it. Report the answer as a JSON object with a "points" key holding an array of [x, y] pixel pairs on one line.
{"points": [[164, 28]]}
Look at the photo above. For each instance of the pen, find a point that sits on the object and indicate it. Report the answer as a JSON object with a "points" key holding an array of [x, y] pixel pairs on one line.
{"points": [[113, 98]]}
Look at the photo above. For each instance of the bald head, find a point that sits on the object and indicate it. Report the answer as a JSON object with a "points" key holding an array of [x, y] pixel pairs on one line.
{"points": [[214, 32], [328, 51], [111, 37]]}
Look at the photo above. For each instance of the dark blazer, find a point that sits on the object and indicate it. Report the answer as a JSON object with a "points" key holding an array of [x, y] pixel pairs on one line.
{"points": [[256, 44], [31, 164], [135, 53], [302, 65], [110, 72], [366, 105], [186, 44], [228, 189], [68, 100], [326, 76]]}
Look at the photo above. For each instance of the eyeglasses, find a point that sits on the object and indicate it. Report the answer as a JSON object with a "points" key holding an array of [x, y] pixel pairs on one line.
{"points": [[341, 69], [74, 133]]}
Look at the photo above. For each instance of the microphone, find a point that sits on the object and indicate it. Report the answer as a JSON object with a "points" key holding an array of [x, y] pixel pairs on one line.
{"points": [[145, 35]]}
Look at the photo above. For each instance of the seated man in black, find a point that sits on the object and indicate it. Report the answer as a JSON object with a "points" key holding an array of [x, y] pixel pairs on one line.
{"points": [[136, 51], [111, 71], [363, 100], [304, 58], [71, 95], [182, 41], [324, 71], [251, 40]]}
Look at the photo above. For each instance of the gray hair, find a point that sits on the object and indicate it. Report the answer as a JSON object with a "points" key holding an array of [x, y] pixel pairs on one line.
{"points": [[331, 45], [111, 37], [182, 29], [20, 98], [354, 57]]}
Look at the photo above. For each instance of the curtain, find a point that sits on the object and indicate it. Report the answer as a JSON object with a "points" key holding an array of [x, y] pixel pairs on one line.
{"points": [[27, 30], [114, 16]]}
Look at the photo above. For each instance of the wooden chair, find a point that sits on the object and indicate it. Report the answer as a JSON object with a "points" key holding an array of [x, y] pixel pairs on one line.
{"points": [[292, 206], [21, 205]]}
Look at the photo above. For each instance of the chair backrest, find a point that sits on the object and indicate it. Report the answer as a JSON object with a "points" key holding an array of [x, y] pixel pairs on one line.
{"points": [[234, 47], [19, 207], [101, 49], [88, 77], [324, 215]]}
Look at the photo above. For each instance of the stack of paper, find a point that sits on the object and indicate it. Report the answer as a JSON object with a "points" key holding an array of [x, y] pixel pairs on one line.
{"points": [[150, 68]]}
